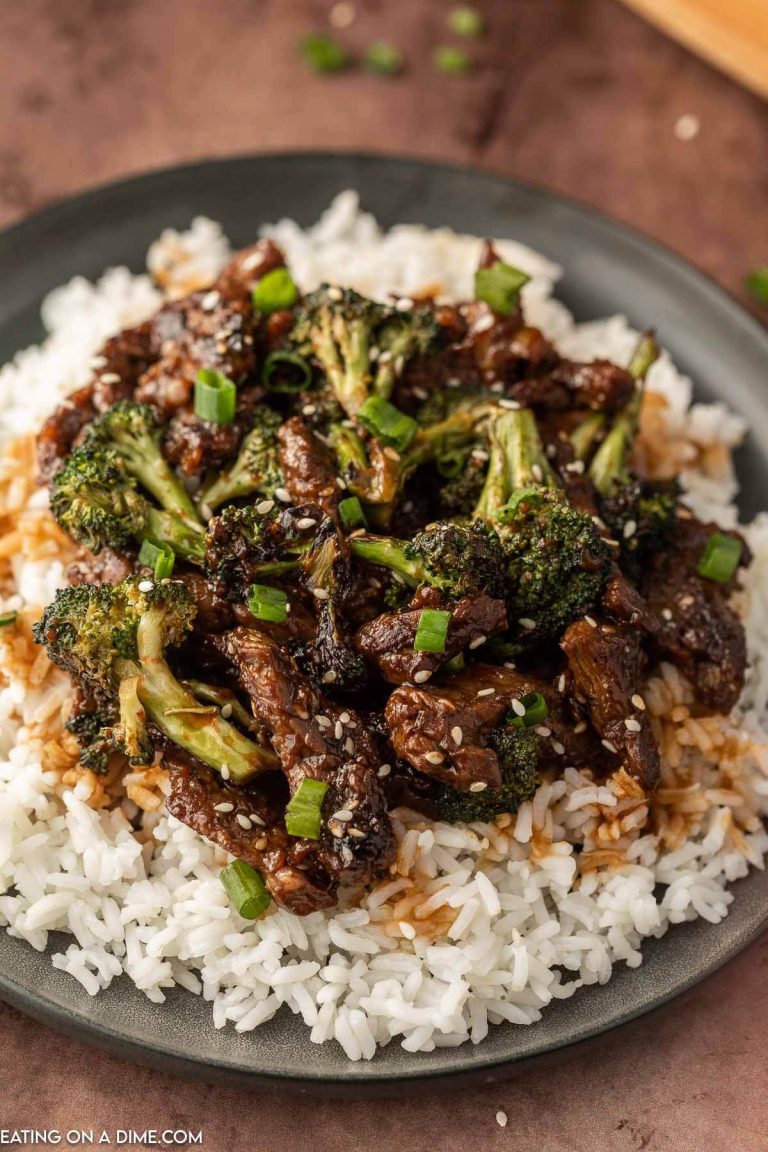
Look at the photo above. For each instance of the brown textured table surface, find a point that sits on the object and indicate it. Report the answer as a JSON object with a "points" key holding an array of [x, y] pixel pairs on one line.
{"points": [[576, 94]]}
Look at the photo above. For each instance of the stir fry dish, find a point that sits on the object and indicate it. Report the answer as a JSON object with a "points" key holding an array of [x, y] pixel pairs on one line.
{"points": [[339, 555]]}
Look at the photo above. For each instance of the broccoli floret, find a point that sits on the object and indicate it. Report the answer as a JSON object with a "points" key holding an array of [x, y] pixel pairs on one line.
{"points": [[245, 546], [555, 561], [96, 501], [641, 517], [90, 728], [112, 639], [459, 494], [609, 469], [517, 750], [133, 432], [361, 345], [257, 467], [460, 560]]}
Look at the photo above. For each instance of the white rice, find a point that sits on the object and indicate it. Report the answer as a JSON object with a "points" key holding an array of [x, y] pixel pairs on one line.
{"points": [[521, 927]]}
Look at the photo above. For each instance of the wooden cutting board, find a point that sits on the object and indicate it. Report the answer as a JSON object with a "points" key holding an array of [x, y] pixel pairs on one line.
{"points": [[731, 34]]}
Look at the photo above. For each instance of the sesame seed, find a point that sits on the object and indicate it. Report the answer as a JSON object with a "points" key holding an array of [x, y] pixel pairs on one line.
{"points": [[420, 393], [422, 677], [306, 522], [373, 354], [510, 664], [283, 495], [329, 676], [477, 642], [501, 1118], [487, 692], [384, 357], [480, 455], [404, 304], [224, 772], [632, 725], [513, 406], [518, 707], [591, 621], [580, 727], [146, 586], [497, 387], [629, 529], [210, 300], [225, 806], [243, 821], [484, 323], [407, 930], [666, 613], [357, 833], [384, 770], [558, 748], [457, 735], [607, 744], [340, 483], [391, 454], [338, 730], [537, 472], [687, 127], [256, 819], [561, 682], [345, 717], [261, 843], [543, 731], [434, 757], [226, 711], [320, 594], [335, 293], [351, 723], [110, 378], [638, 701], [349, 745], [323, 721], [343, 815], [575, 466], [309, 409], [265, 506], [453, 382], [478, 786], [527, 623], [98, 362]]}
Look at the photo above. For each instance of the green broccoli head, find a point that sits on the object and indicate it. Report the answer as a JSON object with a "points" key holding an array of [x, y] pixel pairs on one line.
{"points": [[556, 563], [517, 750], [245, 546], [640, 516], [402, 337], [257, 467]]}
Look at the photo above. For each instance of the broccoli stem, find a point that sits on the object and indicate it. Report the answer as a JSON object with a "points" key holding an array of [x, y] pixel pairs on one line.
{"points": [[584, 434], [176, 712], [144, 461], [517, 460], [610, 465], [185, 537], [388, 553]]}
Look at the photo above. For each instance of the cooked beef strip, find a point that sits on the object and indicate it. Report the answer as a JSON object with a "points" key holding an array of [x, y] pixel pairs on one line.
{"points": [[387, 641], [598, 385], [606, 663], [107, 567], [308, 467], [247, 266], [292, 872], [698, 629], [357, 850], [421, 721], [623, 603], [196, 445]]}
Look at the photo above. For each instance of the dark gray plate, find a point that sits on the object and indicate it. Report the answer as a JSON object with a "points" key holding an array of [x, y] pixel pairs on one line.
{"points": [[608, 269]]}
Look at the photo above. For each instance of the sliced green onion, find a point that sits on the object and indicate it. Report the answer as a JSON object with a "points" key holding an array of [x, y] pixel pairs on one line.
{"points": [[720, 558], [388, 423], [324, 54], [275, 292], [8, 618], [499, 286], [246, 889], [432, 630], [215, 396], [384, 59], [457, 663], [536, 710], [454, 61], [466, 21], [159, 557], [352, 514], [451, 464], [273, 374], [303, 816], [267, 603], [757, 284]]}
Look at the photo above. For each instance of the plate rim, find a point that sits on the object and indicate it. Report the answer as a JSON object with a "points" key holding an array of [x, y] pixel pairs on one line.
{"points": [[154, 1050]]}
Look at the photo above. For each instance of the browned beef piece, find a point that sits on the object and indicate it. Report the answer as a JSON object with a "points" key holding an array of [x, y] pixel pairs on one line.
{"points": [[106, 568], [424, 722], [196, 445], [247, 266], [623, 603], [606, 663], [336, 748], [598, 385], [307, 466], [290, 867], [387, 641], [698, 629]]}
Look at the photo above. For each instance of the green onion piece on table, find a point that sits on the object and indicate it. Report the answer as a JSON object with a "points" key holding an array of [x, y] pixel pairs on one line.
{"points": [[536, 711], [388, 423], [159, 557], [384, 59], [757, 284], [303, 815], [215, 397], [720, 558], [453, 61], [246, 889], [324, 54], [286, 372], [275, 292], [499, 286], [466, 21], [432, 630], [267, 603]]}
